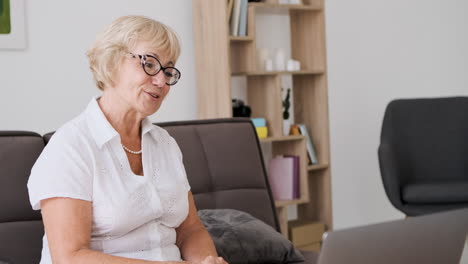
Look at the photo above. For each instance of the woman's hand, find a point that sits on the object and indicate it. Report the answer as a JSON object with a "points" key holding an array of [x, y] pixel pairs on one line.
{"points": [[213, 260], [193, 240]]}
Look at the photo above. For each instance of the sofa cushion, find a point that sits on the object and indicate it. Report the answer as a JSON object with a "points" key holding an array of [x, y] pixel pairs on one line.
{"points": [[241, 238], [425, 193]]}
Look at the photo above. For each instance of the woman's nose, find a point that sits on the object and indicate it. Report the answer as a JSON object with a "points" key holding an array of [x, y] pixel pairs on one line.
{"points": [[159, 79]]}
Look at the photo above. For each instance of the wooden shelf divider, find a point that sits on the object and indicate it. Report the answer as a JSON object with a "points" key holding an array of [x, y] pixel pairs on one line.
{"points": [[266, 73]]}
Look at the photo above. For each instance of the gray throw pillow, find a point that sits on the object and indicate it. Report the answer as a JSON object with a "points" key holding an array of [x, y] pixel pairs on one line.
{"points": [[241, 238]]}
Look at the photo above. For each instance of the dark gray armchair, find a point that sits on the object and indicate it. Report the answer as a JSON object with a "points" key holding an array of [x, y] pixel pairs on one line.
{"points": [[423, 154]]}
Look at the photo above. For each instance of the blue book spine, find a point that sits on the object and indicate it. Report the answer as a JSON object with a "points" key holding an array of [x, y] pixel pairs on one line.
{"points": [[259, 122], [243, 19]]}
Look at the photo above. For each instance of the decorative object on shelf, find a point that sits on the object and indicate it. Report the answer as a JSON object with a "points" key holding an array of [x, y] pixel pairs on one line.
{"points": [[306, 234], [294, 130], [12, 24], [297, 65], [262, 57], [279, 59], [310, 147], [269, 65], [293, 65], [239, 109], [286, 106]]}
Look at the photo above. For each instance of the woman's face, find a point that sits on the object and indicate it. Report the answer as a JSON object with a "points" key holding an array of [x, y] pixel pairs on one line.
{"points": [[137, 89]]}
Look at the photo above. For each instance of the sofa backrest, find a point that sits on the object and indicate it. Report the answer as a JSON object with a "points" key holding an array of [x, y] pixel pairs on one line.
{"points": [[21, 228], [224, 165]]}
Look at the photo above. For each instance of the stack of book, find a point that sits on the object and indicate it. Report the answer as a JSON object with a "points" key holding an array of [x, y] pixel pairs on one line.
{"points": [[283, 175], [260, 127], [237, 15], [301, 129]]}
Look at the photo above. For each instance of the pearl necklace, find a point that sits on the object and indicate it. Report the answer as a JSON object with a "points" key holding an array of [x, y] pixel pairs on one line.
{"points": [[131, 151]]}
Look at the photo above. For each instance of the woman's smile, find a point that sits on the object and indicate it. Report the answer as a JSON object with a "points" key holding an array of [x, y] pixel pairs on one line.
{"points": [[153, 95]]}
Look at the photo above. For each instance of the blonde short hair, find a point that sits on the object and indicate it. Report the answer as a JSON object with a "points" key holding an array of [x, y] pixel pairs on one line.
{"points": [[111, 45]]}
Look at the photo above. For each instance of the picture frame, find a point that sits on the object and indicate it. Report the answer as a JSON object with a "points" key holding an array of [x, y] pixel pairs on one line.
{"points": [[16, 37]]}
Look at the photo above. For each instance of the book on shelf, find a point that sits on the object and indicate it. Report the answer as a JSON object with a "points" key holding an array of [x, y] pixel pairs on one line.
{"points": [[260, 127], [280, 175], [296, 171], [237, 17], [258, 121], [243, 19], [283, 175], [229, 9], [262, 132], [234, 21], [311, 154]]}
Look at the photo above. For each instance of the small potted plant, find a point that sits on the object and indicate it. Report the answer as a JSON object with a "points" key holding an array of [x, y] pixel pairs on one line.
{"points": [[286, 106]]}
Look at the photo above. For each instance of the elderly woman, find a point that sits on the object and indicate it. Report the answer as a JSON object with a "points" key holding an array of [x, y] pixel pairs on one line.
{"points": [[111, 186]]}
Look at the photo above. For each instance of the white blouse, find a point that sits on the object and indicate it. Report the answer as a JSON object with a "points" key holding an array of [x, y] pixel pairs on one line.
{"points": [[133, 216]]}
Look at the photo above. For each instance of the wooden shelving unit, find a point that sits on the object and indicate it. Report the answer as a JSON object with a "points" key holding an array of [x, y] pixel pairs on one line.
{"points": [[270, 73], [224, 56], [240, 39], [317, 167], [281, 138]]}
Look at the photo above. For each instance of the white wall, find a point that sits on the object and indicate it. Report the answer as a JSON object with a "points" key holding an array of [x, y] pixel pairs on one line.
{"points": [[377, 50], [49, 83], [380, 50]]}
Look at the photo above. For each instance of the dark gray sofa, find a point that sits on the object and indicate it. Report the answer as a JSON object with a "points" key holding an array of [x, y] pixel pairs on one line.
{"points": [[222, 158]]}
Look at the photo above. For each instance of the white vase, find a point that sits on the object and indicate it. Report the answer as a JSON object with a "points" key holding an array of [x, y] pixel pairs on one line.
{"points": [[262, 56], [280, 60], [286, 127]]}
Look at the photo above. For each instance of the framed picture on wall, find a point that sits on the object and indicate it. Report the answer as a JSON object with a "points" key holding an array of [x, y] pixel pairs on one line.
{"points": [[12, 24]]}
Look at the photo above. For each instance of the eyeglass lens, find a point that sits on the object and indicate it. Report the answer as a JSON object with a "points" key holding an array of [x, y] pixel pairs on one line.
{"points": [[153, 66]]}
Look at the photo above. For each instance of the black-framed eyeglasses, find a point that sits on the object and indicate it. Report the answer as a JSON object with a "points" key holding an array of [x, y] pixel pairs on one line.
{"points": [[152, 66]]}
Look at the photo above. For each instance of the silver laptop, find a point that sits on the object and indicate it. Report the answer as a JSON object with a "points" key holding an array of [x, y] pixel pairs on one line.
{"points": [[437, 238]]}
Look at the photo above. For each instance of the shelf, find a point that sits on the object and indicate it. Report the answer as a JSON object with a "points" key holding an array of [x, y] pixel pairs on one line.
{"points": [[240, 39], [267, 73], [285, 203], [279, 139], [317, 167], [286, 6]]}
